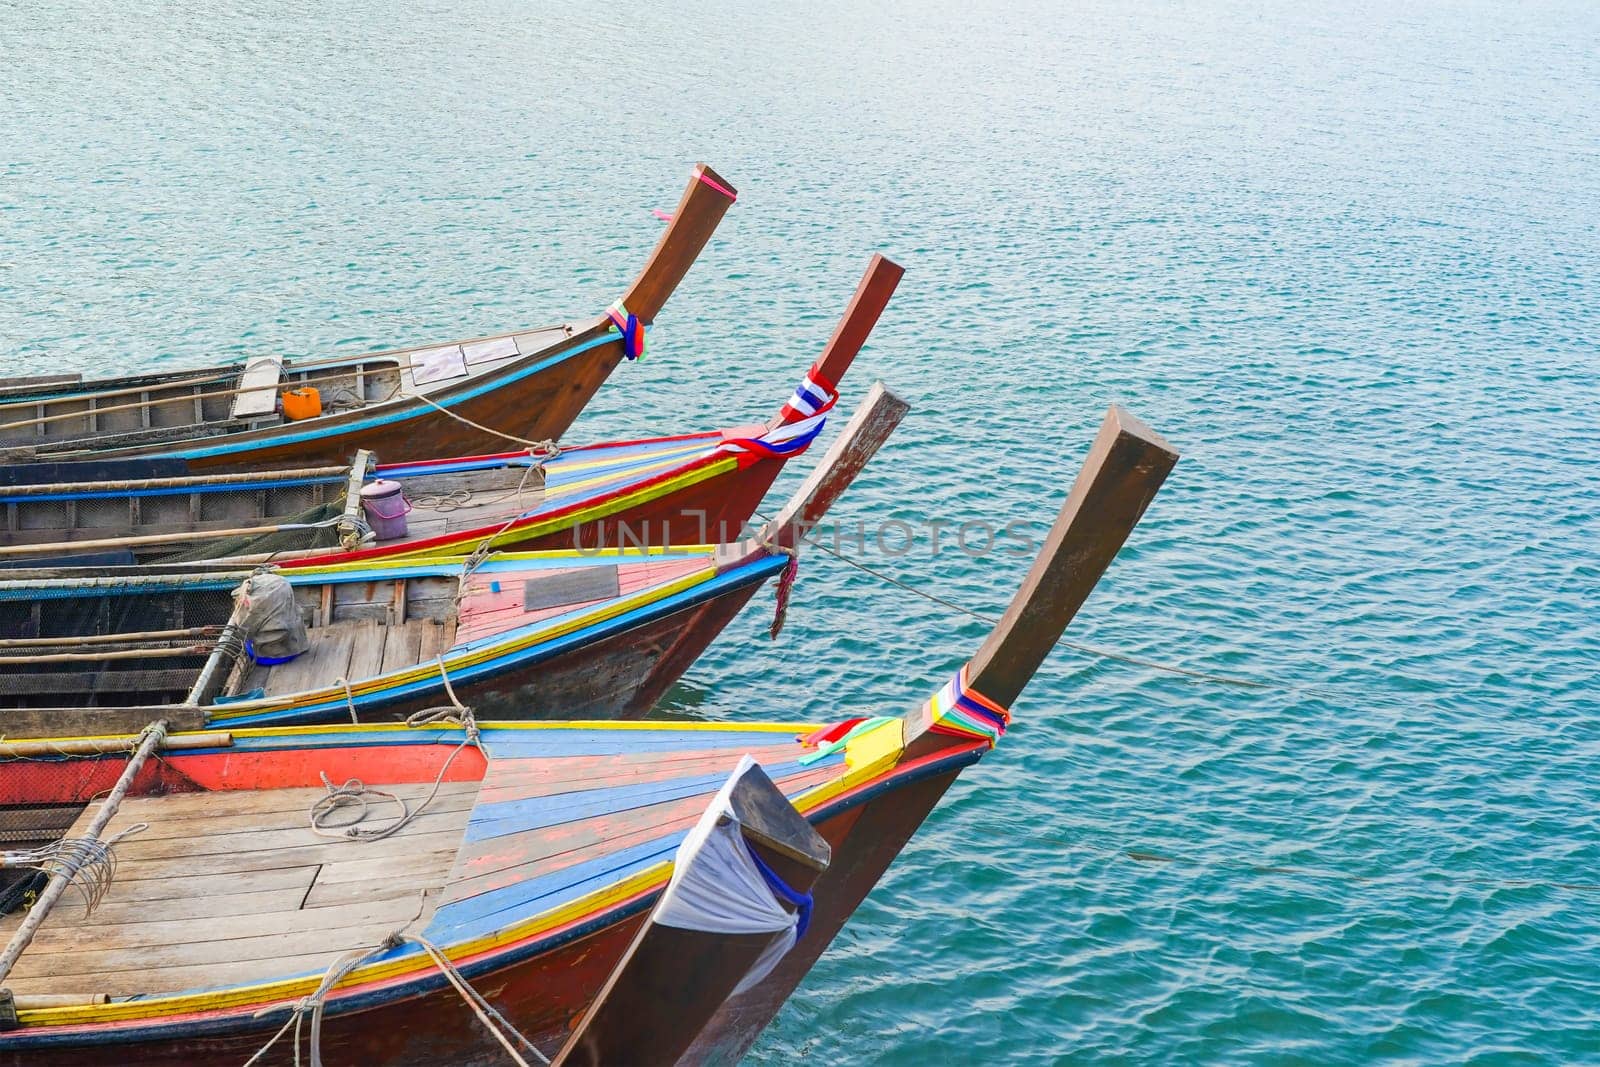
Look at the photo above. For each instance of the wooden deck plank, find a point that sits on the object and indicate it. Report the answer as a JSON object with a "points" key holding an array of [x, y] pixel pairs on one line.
{"points": [[183, 931], [366, 654], [177, 979], [134, 865], [453, 797], [251, 884], [402, 644], [73, 967], [327, 659]]}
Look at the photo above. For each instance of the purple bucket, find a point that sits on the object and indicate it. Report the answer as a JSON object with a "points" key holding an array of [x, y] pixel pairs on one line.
{"points": [[386, 507]]}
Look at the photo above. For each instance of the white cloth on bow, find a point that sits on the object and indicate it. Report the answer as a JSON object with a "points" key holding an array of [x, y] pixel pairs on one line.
{"points": [[717, 887]]}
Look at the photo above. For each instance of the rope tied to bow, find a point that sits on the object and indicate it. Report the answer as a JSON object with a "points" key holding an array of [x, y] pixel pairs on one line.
{"points": [[780, 609]]}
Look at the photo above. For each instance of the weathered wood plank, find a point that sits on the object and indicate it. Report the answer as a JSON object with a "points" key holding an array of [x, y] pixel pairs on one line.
{"points": [[19, 723], [258, 389]]}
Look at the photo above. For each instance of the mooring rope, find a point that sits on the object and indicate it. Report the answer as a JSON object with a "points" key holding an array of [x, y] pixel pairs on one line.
{"points": [[313, 1004], [547, 442]]}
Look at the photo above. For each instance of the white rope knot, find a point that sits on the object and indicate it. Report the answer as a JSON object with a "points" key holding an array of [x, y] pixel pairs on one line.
{"points": [[354, 794]]}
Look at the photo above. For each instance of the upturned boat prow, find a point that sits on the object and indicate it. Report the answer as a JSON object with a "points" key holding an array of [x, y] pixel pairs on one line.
{"points": [[459, 398], [720, 490], [1125, 467]]}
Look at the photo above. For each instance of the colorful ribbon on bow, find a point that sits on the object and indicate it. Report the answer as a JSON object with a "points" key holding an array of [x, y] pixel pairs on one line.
{"points": [[799, 423], [962, 711], [635, 340]]}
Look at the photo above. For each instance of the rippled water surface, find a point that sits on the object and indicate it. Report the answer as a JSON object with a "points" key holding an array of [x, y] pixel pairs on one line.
{"points": [[1345, 259]]}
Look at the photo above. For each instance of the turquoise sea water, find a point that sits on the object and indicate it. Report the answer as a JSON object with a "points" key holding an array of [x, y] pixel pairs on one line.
{"points": [[1346, 259]]}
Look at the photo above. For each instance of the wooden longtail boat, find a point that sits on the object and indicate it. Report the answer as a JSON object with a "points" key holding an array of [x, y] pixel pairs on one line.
{"points": [[407, 404], [688, 489], [537, 634], [227, 920]]}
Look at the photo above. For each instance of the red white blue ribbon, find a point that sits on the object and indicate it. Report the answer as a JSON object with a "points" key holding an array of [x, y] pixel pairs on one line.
{"points": [[799, 423]]}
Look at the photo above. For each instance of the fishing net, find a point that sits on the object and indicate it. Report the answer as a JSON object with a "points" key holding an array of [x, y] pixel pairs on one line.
{"points": [[315, 527], [123, 645]]}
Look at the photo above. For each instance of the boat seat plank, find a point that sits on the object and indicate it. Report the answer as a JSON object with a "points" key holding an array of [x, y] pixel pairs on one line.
{"points": [[366, 652], [402, 646], [258, 389]]}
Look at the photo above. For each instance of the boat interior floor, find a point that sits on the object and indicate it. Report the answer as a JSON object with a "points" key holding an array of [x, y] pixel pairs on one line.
{"points": [[234, 887], [352, 649]]}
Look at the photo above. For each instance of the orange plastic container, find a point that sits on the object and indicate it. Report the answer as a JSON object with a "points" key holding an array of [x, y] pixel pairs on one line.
{"points": [[302, 403]]}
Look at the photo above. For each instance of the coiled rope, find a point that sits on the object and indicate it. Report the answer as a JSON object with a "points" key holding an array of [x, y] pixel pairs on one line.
{"points": [[355, 794]]}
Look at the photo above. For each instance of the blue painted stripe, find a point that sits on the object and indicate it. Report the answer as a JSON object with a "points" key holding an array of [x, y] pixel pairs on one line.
{"points": [[536, 813], [407, 413]]}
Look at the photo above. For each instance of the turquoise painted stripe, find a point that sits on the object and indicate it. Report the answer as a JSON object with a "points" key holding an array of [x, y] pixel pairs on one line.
{"points": [[231, 447]]}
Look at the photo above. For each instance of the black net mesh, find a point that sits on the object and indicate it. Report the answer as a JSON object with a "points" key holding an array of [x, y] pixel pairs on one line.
{"points": [[108, 647], [320, 531]]}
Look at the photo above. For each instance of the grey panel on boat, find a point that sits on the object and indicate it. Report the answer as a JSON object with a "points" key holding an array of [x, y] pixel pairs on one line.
{"points": [[571, 587], [258, 389]]}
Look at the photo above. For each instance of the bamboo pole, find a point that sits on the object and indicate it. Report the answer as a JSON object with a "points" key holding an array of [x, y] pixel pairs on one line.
{"points": [[120, 582], [110, 654], [199, 481], [104, 746], [112, 639], [36, 1001], [176, 537], [154, 734]]}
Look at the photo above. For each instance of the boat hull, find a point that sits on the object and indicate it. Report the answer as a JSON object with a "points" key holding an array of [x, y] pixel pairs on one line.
{"points": [[543, 993], [715, 511], [535, 407]]}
